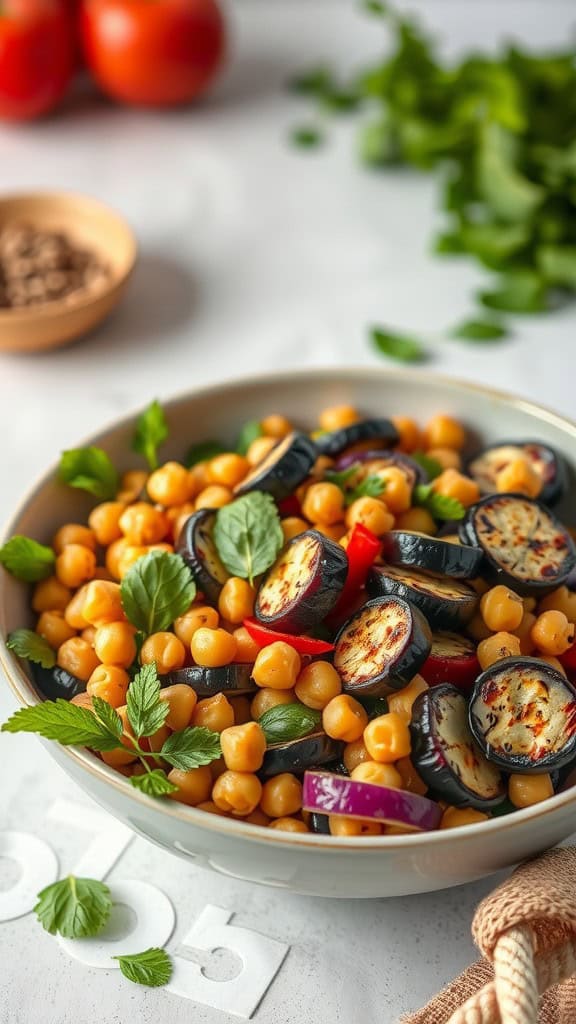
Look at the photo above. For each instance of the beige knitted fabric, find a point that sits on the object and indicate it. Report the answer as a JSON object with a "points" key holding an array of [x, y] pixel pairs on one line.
{"points": [[540, 896]]}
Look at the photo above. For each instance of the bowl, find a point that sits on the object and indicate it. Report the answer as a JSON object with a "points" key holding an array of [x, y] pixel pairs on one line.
{"points": [[305, 863], [89, 224]]}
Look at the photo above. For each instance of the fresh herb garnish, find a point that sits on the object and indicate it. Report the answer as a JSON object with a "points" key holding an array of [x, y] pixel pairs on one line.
{"points": [[28, 644], [372, 486], [438, 505], [146, 712], [431, 466], [286, 722], [479, 330], [68, 724], [26, 559], [151, 431], [203, 451], [191, 748], [250, 432], [306, 136], [153, 783], [248, 535], [153, 967], [75, 908], [397, 346], [156, 590], [89, 469]]}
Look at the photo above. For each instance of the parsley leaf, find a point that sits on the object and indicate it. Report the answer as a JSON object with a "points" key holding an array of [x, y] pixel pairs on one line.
{"points": [[203, 451], [479, 330], [108, 716], [286, 722], [341, 477], [250, 432], [156, 590], [26, 559], [306, 136], [146, 712], [519, 291], [191, 748], [154, 783], [151, 431], [153, 967], [68, 724], [431, 466], [397, 346], [248, 535], [89, 469], [28, 644], [438, 505], [370, 487], [75, 908]]}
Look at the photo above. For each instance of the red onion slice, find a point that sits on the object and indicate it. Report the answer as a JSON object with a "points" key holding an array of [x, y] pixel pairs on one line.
{"points": [[336, 794]]}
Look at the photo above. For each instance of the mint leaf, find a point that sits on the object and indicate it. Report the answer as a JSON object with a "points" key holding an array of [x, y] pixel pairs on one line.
{"points": [[286, 722], [155, 783], [479, 330], [151, 431], [306, 137], [191, 748], [397, 346], [28, 644], [372, 486], [202, 452], [156, 590], [64, 722], [431, 467], [26, 559], [250, 432], [146, 712], [75, 908], [248, 535], [153, 967], [558, 264], [519, 291], [89, 469]]}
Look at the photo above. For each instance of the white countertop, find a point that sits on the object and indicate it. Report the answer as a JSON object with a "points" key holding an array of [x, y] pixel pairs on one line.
{"points": [[254, 255]]}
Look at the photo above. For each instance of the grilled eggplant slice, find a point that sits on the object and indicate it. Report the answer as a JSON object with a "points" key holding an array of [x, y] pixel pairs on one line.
{"points": [[431, 554], [446, 755], [197, 548], [524, 545], [381, 647], [303, 585], [523, 716], [57, 682], [452, 660], [297, 755], [446, 603], [381, 431], [371, 463], [235, 679], [548, 464], [283, 469]]}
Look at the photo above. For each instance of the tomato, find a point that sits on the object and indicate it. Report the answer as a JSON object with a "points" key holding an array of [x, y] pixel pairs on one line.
{"points": [[152, 52], [36, 57]]}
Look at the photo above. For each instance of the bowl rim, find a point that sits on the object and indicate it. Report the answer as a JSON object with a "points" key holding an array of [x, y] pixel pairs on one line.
{"points": [[47, 311], [236, 828]]}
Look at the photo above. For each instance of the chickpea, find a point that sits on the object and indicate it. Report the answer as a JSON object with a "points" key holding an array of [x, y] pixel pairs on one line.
{"points": [[334, 533], [341, 826], [454, 817], [214, 496], [181, 700], [212, 647], [74, 608], [73, 533], [501, 609], [242, 713], [526, 790], [259, 449], [452, 484], [143, 524], [51, 595], [494, 648], [210, 807], [88, 634], [277, 666], [54, 628], [552, 633], [289, 825], [344, 718], [477, 628], [243, 747], [258, 818], [337, 416], [75, 565], [400, 702], [77, 657], [562, 600], [104, 521], [215, 713], [110, 683], [444, 432], [267, 698], [114, 644], [198, 478], [132, 485], [521, 477], [378, 774], [102, 603], [246, 648], [238, 792], [371, 513], [130, 555], [169, 485], [411, 781], [447, 457], [317, 684], [194, 786], [114, 554], [228, 470], [126, 754], [355, 753], [398, 493], [276, 426], [292, 526], [324, 503], [236, 600], [83, 700], [417, 519], [164, 650], [197, 617], [409, 431], [387, 738], [281, 796], [524, 633]]}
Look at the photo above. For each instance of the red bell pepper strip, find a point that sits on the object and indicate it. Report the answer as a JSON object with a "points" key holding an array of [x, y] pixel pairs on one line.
{"points": [[289, 506], [362, 552], [568, 659], [263, 636]]}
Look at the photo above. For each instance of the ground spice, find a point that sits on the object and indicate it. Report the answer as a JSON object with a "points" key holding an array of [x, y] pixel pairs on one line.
{"points": [[39, 266]]}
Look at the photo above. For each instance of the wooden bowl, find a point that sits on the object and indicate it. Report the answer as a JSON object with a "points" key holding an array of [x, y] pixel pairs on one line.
{"points": [[90, 225]]}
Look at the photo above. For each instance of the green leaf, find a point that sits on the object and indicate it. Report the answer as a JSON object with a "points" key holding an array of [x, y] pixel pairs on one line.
{"points": [[156, 590], [151, 431], [507, 192], [397, 346], [109, 717], [155, 783], [438, 505], [248, 535], [26, 559], [372, 486], [557, 264], [191, 748], [495, 245], [520, 291], [28, 644], [68, 724], [286, 722], [202, 452], [342, 477], [306, 136], [479, 330], [316, 82], [89, 469], [75, 908], [381, 10], [146, 712], [250, 432], [379, 142], [449, 243], [431, 466], [152, 968]]}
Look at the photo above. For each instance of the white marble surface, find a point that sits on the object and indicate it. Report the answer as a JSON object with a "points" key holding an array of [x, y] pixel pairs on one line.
{"points": [[254, 255]]}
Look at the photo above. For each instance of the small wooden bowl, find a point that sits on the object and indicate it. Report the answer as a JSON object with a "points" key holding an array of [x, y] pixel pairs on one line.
{"points": [[90, 225]]}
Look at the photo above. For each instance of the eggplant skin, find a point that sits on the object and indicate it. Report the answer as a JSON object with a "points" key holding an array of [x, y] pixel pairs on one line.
{"points": [[336, 441], [235, 679], [548, 463], [446, 706], [197, 548], [500, 525], [374, 461], [431, 554], [283, 469], [381, 647], [57, 682], [315, 750], [303, 585], [523, 716], [446, 603]]}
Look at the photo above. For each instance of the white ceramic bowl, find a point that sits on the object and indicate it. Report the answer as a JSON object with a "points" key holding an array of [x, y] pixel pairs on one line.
{"points": [[320, 865]]}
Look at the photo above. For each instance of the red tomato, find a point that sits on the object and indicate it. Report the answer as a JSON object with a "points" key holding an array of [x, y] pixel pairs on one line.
{"points": [[152, 52], [36, 57]]}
